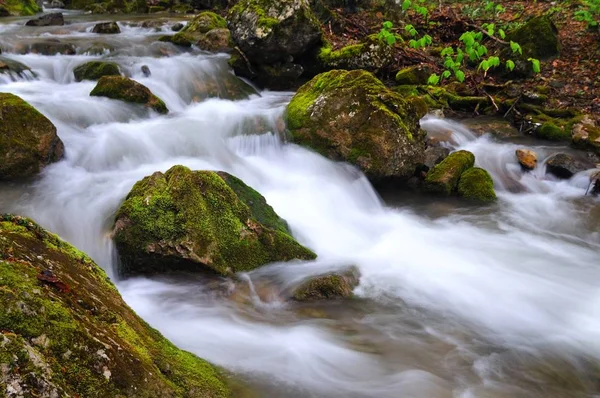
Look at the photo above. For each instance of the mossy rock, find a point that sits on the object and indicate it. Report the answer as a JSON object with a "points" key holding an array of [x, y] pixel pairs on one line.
{"points": [[585, 134], [204, 23], [200, 221], [538, 38], [476, 185], [28, 140], [94, 70], [269, 31], [106, 28], [371, 54], [127, 90], [19, 8], [216, 40], [413, 75], [66, 331], [443, 178], [351, 116], [332, 286], [552, 132]]}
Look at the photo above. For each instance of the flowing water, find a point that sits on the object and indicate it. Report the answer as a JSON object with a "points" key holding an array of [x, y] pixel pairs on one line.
{"points": [[454, 300]]}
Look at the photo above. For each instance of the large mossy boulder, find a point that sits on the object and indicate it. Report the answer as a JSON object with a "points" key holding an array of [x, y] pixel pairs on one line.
{"points": [[127, 90], [351, 116], [19, 8], [94, 70], [476, 185], [66, 332], [268, 31], [538, 38], [28, 140], [371, 54], [204, 23], [204, 221], [443, 178]]}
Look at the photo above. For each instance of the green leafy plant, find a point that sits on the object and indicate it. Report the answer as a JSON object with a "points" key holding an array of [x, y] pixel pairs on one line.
{"points": [[417, 6], [589, 12], [386, 34], [417, 42]]}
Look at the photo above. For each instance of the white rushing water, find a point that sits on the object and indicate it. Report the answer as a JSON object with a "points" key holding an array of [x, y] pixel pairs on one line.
{"points": [[456, 301]]}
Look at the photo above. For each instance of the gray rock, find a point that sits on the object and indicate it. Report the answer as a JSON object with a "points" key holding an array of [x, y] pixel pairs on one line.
{"points": [[53, 19], [106, 28], [565, 166]]}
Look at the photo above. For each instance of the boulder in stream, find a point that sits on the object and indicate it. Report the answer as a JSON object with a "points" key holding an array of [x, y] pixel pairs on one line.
{"points": [[527, 158], [216, 40], [201, 221], [49, 47], [331, 286], [351, 116], [444, 177], [53, 19], [565, 166], [127, 90], [106, 28], [476, 185], [204, 23], [94, 70], [370, 54], [13, 67], [28, 140], [66, 331]]}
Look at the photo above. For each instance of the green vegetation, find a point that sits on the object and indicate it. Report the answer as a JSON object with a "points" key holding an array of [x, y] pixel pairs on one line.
{"points": [[19, 7], [444, 177]]}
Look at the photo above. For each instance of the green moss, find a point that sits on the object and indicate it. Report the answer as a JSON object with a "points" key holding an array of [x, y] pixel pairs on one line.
{"points": [[477, 185], [328, 56], [550, 131], [443, 178], [74, 335], [94, 70], [327, 287], [202, 219], [28, 140], [20, 7], [413, 75], [256, 7], [127, 90], [205, 22], [538, 38], [183, 39]]}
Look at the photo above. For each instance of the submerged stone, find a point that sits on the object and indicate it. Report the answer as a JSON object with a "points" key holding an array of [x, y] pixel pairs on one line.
{"points": [[351, 116], [28, 140], [66, 331], [332, 286], [200, 221], [127, 90]]}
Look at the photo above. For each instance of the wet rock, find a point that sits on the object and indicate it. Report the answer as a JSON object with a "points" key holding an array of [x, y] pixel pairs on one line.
{"points": [[351, 116], [204, 23], [85, 342], [94, 70], [200, 221], [595, 183], [53, 19], [50, 47], [127, 90], [435, 155], [497, 126], [371, 54], [28, 140], [146, 71], [10, 67], [527, 158], [106, 28], [476, 185], [443, 178], [268, 31], [216, 40], [177, 27], [331, 286], [565, 166], [57, 4], [414, 75], [155, 24]]}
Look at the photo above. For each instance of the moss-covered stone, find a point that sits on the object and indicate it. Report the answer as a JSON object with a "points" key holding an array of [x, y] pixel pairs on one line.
{"points": [[443, 178], [19, 7], [371, 54], [413, 75], [352, 116], [476, 185], [552, 132], [268, 31], [28, 140], [585, 134], [65, 330], [199, 221], [538, 38], [216, 40], [205, 22], [328, 287], [127, 90], [106, 28], [94, 70]]}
